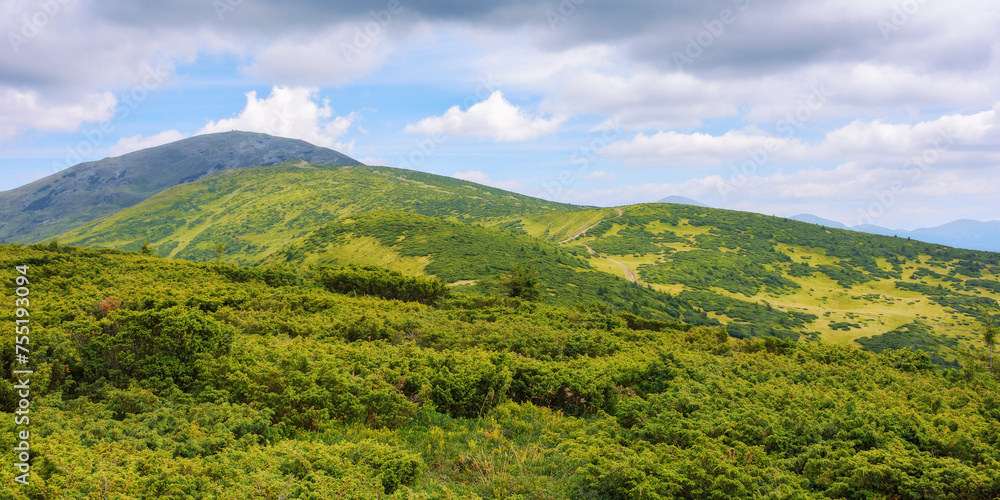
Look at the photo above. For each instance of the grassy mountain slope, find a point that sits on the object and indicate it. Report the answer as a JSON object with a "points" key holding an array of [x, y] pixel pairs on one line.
{"points": [[159, 378], [256, 212], [473, 258], [759, 275], [84, 192], [856, 285]]}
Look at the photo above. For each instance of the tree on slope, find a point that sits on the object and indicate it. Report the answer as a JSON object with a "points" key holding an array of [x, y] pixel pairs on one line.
{"points": [[989, 336], [522, 282]]}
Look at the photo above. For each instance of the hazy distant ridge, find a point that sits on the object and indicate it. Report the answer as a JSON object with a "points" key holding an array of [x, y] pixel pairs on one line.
{"points": [[681, 200], [964, 233]]}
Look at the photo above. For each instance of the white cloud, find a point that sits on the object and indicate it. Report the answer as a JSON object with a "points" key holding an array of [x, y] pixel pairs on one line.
{"points": [[334, 57], [646, 99], [21, 111], [373, 160], [885, 84], [607, 79], [127, 145], [480, 177], [967, 139], [600, 174], [634, 193], [852, 194], [674, 148], [522, 63], [848, 193], [884, 138], [495, 118], [290, 112]]}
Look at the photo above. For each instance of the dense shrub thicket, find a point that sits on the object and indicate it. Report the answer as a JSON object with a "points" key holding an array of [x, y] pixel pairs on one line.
{"points": [[740, 253], [166, 379], [392, 285], [488, 256]]}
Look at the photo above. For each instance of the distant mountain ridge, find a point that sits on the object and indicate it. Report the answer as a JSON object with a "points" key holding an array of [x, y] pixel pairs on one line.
{"points": [[963, 233], [812, 219], [87, 191], [681, 200]]}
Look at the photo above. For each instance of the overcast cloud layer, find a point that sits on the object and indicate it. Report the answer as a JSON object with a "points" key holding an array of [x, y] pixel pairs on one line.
{"points": [[881, 112]]}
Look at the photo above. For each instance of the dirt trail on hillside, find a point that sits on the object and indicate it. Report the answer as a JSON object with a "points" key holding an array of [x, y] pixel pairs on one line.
{"points": [[588, 228], [629, 273], [581, 232]]}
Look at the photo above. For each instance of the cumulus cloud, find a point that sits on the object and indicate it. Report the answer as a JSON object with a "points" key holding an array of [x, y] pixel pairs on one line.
{"points": [[846, 193], [127, 145], [494, 118], [66, 50], [644, 192], [827, 91], [336, 56], [614, 59], [876, 137], [647, 99], [600, 174], [290, 112], [873, 142], [373, 160], [854, 194], [21, 111], [675, 148], [480, 177]]}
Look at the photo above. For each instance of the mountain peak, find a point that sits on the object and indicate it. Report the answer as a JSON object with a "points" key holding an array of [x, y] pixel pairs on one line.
{"points": [[242, 149], [87, 191]]}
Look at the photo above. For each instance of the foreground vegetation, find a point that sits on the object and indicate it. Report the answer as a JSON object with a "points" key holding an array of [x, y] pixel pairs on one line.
{"points": [[157, 378]]}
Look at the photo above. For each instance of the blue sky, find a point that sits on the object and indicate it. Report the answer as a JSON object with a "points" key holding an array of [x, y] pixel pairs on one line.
{"points": [[881, 112]]}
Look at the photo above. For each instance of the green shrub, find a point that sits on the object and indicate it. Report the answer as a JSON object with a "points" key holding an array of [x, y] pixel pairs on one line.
{"points": [[157, 343], [522, 282], [379, 282]]}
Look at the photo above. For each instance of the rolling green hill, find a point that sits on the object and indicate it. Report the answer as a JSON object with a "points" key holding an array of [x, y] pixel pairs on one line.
{"points": [[845, 286], [257, 212], [472, 258], [759, 275], [84, 192]]}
